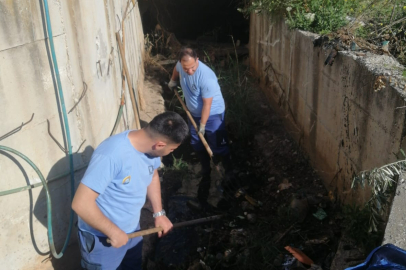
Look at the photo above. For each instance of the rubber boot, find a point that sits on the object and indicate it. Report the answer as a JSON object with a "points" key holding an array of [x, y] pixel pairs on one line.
{"points": [[229, 182], [204, 162], [204, 185], [204, 190]]}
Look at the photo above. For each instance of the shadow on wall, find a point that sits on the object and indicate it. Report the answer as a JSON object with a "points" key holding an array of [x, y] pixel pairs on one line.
{"points": [[61, 207], [60, 197]]}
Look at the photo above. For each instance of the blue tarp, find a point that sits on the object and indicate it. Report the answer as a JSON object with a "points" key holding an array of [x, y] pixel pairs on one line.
{"points": [[385, 257]]}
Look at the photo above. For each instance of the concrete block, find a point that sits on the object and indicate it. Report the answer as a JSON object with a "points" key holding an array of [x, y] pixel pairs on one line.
{"points": [[395, 232]]}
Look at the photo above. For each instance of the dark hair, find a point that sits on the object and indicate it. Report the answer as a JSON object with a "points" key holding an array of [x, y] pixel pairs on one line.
{"points": [[186, 51], [168, 124]]}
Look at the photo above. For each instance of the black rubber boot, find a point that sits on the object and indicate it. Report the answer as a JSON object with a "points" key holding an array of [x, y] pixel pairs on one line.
{"points": [[204, 189], [204, 185], [205, 163]]}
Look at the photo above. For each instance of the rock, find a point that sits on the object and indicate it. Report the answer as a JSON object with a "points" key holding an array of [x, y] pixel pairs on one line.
{"points": [[219, 256], [246, 206], [278, 260], [347, 254], [252, 218], [227, 254], [271, 179], [299, 208]]}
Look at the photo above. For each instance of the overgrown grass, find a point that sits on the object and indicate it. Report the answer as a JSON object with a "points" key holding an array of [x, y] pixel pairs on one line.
{"points": [[319, 16], [179, 168], [238, 94], [238, 98], [373, 20]]}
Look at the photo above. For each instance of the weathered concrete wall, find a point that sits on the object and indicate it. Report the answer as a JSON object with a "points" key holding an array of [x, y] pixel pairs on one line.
{"points": [[84, 34], [332, 111]]}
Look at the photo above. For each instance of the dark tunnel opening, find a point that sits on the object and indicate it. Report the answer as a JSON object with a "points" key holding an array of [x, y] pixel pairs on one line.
{"points": [[213, 21]]}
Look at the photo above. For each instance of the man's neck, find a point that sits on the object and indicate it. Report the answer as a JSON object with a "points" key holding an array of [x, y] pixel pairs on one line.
{"points": [[140, 141]]}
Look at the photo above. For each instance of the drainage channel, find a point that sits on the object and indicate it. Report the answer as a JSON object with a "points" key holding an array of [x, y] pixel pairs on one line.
{"points": [[296, 210]]}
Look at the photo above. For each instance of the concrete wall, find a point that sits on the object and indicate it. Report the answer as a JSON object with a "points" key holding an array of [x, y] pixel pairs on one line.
{"points": [[84, 33], [333, 112]]}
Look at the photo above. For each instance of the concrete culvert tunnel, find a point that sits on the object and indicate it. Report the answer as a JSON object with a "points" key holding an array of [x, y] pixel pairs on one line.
{"points": [[296, 131]]}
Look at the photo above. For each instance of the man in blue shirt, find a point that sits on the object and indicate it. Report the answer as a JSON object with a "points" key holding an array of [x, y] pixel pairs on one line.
{"points": [[121, 174], [206, 104]]}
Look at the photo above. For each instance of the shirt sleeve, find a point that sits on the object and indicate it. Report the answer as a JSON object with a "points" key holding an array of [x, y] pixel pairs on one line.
{"points": [[157, 163], [100, 172], [210, 88]]}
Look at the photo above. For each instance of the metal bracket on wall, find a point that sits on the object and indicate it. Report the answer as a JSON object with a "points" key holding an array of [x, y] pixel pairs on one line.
{"points": [[57, 143], [81, 96], [110, 61], [53, 138], [8, 134], [98, 66]]}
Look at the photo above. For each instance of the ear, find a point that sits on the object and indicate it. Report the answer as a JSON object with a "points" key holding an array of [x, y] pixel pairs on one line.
{"points": [[159, 145]]}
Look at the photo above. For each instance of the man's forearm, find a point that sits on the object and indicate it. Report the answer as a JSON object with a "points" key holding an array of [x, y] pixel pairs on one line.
{"points": [[175, 74], [154, 193], [206, 110]]}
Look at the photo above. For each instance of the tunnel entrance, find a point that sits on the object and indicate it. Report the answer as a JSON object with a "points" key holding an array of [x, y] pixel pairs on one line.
{"points": [[201, 21]]}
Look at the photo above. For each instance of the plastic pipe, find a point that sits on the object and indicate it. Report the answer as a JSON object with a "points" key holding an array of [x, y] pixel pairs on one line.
{"points": [[68, 139], [49, 203]]}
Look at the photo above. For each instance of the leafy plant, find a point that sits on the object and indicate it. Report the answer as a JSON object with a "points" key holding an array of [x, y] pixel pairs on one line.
{"points": [[179, 164], [320, 16], [382, 182], [179, 169], [373, 20], [369, 221]]}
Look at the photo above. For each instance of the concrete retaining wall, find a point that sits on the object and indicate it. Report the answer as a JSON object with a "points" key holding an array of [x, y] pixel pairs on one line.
{"points": [[84, 34], [333, 112]]}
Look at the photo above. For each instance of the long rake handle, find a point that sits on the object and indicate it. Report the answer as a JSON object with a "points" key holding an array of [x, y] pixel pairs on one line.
{"points": [[128, 79], [176, 225], [206, 145]]}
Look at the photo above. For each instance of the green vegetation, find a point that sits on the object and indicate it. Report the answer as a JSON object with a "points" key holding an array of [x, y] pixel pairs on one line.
{"points": [[319, 16], [366, 224], [179, 164], [238, 95], [179, 169], [373, 20]]}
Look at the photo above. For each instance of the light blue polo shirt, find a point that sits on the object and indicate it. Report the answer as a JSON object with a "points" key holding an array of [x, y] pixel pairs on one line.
{"points": [[202, 84], [121, 175]]}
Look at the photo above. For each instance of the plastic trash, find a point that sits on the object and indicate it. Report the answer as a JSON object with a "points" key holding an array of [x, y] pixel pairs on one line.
{"points": [[385, 257]]}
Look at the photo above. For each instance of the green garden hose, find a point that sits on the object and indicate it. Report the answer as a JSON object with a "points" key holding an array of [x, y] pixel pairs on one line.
{"points": [[49, 204], [68, 140]]}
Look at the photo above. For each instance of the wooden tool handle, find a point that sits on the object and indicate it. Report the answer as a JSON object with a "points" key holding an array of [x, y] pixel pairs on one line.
{"points": [[128, 79], [206, 145], [142, 233], [176, 225]]}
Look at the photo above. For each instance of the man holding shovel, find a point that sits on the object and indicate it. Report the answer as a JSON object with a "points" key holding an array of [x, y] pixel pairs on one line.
{"points": [[121, 174], [205, 102]]}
